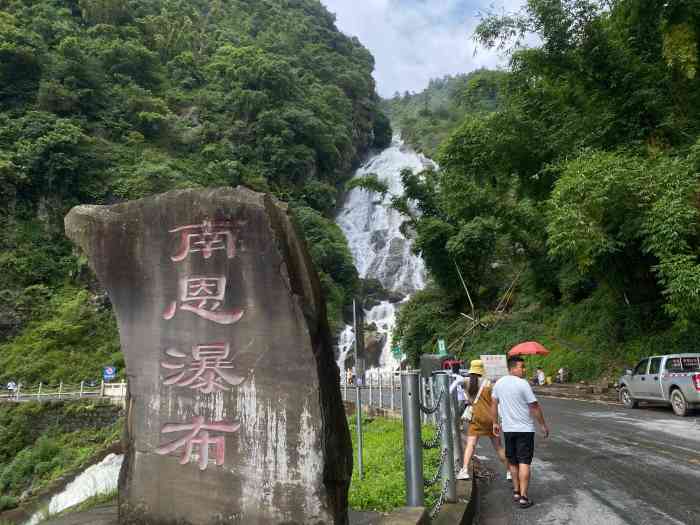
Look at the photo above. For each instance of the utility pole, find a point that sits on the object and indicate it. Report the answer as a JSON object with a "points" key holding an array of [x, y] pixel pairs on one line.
{"points": [[358, 396]]}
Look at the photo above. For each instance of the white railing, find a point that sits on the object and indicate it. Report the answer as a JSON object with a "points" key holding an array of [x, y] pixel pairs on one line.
{"points": [[378, 391], [46, 392], [382, 389]]}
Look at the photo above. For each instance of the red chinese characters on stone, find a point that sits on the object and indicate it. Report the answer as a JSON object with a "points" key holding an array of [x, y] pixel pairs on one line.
{"points": [[207, 237], [204, 297], [198, 434], [209, 370]]}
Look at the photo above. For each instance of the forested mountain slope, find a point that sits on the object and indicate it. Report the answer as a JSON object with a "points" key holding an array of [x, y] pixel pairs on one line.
{"points": [[580, 189], [106, 100], [427, 118]]}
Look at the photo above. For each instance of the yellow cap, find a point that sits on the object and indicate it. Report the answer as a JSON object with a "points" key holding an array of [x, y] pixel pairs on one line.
{"points": [[476, 367]]}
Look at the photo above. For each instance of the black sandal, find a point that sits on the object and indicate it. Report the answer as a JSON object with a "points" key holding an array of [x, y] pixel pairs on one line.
{"points": [[516, 496], [525, 502]]}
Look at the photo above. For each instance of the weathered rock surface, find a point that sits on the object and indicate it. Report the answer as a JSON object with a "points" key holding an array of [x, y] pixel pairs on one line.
{"points": [[234, 411]]}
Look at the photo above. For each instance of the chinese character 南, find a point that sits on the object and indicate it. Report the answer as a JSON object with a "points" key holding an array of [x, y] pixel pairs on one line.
{"points": [[203, 296], [205, 238], [198, 434], [209, 370]]}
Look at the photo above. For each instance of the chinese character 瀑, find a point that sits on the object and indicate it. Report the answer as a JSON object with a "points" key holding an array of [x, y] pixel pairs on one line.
{"points": [[198, 435], [209, 370], [203, 296], [206, 238]]}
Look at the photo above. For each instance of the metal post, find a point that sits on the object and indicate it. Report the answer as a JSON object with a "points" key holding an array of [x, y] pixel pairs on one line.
{"points": [[102, 388], [457, 449], [81, 390], [392, 391], [381, 401], [19, 388], [358, 397], [434, 396], [442, 381], [412, 446], [423, 400], [60, 388], [370, 391], [38, 394]]}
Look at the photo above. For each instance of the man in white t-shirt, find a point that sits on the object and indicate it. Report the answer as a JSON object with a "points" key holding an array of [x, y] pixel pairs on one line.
{"points": [[513, 400]]}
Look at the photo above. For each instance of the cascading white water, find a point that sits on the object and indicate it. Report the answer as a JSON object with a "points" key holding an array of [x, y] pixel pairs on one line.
{"points": [[98, 479], [379, 249]]}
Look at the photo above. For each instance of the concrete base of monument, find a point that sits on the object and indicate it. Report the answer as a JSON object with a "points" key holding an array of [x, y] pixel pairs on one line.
{"points": [[463, 512]]}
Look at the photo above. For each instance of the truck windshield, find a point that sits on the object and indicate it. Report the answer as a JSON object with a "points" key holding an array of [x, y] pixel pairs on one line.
{"points": [[683, 364]]}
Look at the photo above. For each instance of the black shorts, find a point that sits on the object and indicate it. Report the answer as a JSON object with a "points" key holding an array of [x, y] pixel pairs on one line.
{"points": [[520, 447]]}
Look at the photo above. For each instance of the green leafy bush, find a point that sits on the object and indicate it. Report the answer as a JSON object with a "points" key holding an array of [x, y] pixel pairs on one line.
{"points": [[7, 502], [32, 460]]}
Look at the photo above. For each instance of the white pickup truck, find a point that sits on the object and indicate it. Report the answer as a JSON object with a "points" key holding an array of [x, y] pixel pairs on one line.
{"points": [[672, 379]]}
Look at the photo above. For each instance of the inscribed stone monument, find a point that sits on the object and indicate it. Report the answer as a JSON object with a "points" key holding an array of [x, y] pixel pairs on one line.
{"points": [[234, 410]]}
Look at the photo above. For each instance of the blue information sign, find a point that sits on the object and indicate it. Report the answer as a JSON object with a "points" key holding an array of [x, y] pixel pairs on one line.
{"points": [[109, 372]]}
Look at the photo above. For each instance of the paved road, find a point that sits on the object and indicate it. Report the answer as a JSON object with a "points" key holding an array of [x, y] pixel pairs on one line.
{"points": [[604, 465]]}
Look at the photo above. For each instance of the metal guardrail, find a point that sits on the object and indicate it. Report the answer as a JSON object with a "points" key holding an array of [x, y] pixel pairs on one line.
{"points": [[442, 412], [42, 392], [423, 401]]}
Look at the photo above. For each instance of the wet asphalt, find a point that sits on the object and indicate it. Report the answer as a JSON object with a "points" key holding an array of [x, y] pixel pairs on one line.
{"points": [[604, 465]]}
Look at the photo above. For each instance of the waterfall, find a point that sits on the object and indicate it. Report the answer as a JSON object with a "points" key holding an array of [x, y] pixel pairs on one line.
{"points": [[379, 249]]}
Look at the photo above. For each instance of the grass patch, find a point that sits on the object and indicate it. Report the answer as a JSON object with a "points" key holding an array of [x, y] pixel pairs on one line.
{"points": [[90, 503], [51, 456], [383, 487]]}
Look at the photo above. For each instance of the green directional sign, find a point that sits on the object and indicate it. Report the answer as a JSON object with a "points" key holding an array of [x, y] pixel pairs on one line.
{"points": [[442, 349], [396, 351]]}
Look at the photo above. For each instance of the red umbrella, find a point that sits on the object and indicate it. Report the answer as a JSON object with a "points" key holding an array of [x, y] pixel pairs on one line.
{"points": [[528, 348]]}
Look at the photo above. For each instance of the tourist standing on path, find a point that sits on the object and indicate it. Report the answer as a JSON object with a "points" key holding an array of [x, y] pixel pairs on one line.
{"points": [[514, 401], [540, 377], [478, 397]]}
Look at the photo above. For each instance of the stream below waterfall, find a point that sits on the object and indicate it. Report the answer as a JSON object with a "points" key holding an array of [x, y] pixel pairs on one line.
{"points": [[379, 249]]}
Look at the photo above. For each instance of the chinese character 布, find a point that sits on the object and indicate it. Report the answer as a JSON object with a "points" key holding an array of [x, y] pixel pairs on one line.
{"points": [[206, 238], [208, 371], [203, 296], [198, 434]]}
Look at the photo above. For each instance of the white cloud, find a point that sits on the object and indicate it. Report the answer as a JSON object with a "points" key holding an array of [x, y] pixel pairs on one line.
{"points": [[415, 40]]}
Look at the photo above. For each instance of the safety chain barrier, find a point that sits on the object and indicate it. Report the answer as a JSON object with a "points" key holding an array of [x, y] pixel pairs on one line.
{"points": [[441, 499], [433, 443], [431, 482], [428, 411], [445, 437]]}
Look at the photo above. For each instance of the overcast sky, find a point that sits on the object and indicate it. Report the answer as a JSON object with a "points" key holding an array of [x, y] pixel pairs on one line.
{"points": [[415, 40]]}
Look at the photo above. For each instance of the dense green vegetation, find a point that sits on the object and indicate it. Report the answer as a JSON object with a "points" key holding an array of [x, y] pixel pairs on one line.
{"points": [[106, 100], [581, 187], [426, 119], [32, 457], [384, 486]]}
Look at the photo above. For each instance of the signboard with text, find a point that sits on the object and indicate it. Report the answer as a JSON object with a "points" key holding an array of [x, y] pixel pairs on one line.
{"points": [[496, 366], [442, 349]]}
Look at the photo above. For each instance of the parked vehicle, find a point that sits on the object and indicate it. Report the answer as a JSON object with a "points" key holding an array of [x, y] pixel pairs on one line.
{"points": [[671, 379]]}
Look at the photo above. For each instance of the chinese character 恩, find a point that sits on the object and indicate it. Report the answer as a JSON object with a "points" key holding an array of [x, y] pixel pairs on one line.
{"points": [[206, 238], [203, 296], [198, 434], [209, 370]]}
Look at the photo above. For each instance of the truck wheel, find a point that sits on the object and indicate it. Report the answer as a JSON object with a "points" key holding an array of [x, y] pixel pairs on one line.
{"points": [[627, 398], [678, 403]]}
